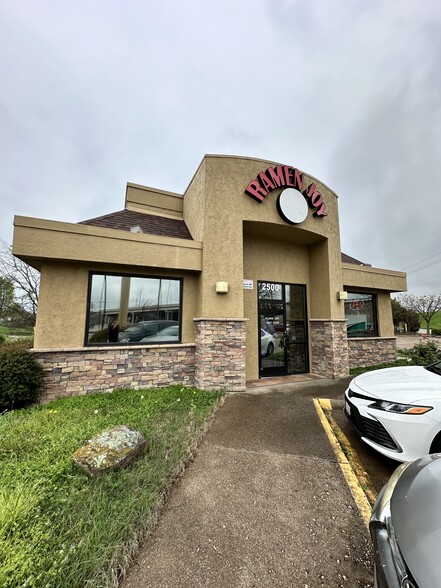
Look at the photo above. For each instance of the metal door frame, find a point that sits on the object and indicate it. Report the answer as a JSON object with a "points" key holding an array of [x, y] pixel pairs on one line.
{"points": [[282, 370]]}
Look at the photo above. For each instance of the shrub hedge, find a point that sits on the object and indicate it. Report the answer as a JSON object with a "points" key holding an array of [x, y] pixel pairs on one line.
{"points": [[21, 376]]}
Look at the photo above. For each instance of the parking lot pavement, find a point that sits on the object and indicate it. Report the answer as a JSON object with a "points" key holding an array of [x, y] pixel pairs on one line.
{"points": [[264, 504], [408, 341], [378, 467]]}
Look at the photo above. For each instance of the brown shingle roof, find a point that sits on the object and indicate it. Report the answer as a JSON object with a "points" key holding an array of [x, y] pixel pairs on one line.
{"points": [[150, 224], [348, 259]]}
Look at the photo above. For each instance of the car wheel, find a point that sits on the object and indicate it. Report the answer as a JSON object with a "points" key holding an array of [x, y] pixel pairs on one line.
{"points": [[270, 349], [436, 444]]}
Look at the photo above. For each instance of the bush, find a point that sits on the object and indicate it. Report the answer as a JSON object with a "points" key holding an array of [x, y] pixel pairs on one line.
{"points": [[424, 353], [21, 376], [2, 338], [100, 336], [436, 332]]}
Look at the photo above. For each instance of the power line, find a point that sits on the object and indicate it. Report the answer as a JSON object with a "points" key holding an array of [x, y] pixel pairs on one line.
{"points": [[422, 261], [424, 267]]}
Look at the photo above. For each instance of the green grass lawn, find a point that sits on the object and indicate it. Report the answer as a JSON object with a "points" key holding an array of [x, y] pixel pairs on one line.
{"points": [[435, 323], [16, 331], [360, 370], [58, 527]]}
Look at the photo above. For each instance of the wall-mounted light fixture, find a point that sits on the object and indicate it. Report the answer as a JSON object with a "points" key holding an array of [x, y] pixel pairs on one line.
{"points": [[222, 287], [342, 295]]}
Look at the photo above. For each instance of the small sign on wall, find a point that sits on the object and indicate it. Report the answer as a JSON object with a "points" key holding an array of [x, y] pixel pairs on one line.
{"points": [[248, 284]]}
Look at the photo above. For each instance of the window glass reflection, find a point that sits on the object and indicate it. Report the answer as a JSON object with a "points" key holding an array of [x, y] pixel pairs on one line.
{"points": [[360, 312], [132, 309]]}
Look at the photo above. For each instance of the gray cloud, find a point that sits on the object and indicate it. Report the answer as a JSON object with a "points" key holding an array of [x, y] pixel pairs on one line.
{"points": [[98, 94]]}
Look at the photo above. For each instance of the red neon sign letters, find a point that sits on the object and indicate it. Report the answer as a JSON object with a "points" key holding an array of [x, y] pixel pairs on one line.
{"points": [[285, 176]]}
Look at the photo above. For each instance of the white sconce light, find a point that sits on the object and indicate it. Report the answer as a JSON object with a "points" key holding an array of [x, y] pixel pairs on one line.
{"points": [[342, 295], [222, 287]]}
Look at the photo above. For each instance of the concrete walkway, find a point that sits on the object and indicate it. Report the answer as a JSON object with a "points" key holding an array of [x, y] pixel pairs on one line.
{"points": [[263, 505]]}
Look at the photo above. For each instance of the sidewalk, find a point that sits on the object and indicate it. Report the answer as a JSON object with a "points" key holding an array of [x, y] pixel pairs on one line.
{"points": [[263, 505]]}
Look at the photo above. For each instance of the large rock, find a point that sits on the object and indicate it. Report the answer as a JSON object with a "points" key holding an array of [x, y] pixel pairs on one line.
{"points": [[111, 450]]}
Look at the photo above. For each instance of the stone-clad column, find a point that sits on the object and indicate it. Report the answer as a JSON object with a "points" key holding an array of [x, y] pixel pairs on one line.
{"points": [[220, 354], [329, 344]]}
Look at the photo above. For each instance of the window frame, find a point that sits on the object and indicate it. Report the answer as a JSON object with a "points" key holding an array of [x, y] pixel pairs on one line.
{"points": [[92, 273], [374, 312]]}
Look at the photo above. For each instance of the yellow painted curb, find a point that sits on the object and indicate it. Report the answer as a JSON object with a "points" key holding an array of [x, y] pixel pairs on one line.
{"points": [[322, 406]]}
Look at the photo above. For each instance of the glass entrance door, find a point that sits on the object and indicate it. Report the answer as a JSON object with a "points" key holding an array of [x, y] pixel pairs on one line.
{"points": [[283, 341]]}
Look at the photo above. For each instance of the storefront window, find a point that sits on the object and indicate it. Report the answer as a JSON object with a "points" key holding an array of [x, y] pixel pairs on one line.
{"points": [[361, 314], [132, 310]]}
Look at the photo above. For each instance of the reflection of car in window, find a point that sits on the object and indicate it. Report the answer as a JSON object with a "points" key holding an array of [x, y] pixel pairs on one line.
{"points": [[267, 343], [143, 329], [167, 335]]}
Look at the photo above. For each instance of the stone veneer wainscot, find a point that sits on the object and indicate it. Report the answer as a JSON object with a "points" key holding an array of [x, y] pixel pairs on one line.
{"points": [[71, 372], [216, 361], [329, 348], [220, 354], [366, 351]]}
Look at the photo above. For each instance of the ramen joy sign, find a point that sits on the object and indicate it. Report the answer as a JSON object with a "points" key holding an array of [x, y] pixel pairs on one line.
{"points": [[294, 199]]}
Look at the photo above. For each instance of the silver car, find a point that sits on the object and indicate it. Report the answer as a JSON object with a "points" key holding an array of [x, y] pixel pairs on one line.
{"points": [[405, 526]]}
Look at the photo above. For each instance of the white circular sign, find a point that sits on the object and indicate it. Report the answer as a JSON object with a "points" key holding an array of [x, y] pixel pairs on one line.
{"points": [[292, 206]]}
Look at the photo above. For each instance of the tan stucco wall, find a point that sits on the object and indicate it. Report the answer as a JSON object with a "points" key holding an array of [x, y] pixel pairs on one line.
{"points": [[291, 266], [37, 240], [215, 207], [194, 203], [61, 317], [373, 278], [384, 310], [325, 282], [153, 201]]}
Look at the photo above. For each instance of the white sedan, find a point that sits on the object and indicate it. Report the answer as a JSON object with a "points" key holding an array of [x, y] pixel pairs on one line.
{"points": [[267, 343], [397, 411]]}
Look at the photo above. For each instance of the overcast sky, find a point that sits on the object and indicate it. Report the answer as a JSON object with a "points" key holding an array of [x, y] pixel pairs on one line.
{"points": [[98, 93]]}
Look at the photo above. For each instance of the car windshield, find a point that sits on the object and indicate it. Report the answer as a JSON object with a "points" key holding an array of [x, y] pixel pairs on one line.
{"points": [[435, 368]]}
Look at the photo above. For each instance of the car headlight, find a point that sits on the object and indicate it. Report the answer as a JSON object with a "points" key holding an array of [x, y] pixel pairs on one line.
{"points": [[399, 408]]}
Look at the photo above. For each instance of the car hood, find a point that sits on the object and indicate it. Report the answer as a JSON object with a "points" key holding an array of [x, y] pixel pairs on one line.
{"points": [[159, 338], [399, 384], [416, 518]]}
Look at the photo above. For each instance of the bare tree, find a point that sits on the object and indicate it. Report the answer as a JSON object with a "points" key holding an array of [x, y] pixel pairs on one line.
{"points": [[427, 306], [26, 282], [6, 297]]}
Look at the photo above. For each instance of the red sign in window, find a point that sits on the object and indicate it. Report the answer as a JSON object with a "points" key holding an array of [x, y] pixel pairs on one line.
{"points": [[356, 304]]}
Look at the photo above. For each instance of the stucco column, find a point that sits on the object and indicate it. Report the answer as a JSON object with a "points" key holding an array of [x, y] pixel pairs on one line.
{"points": [[329, 344], [220, 354]]}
